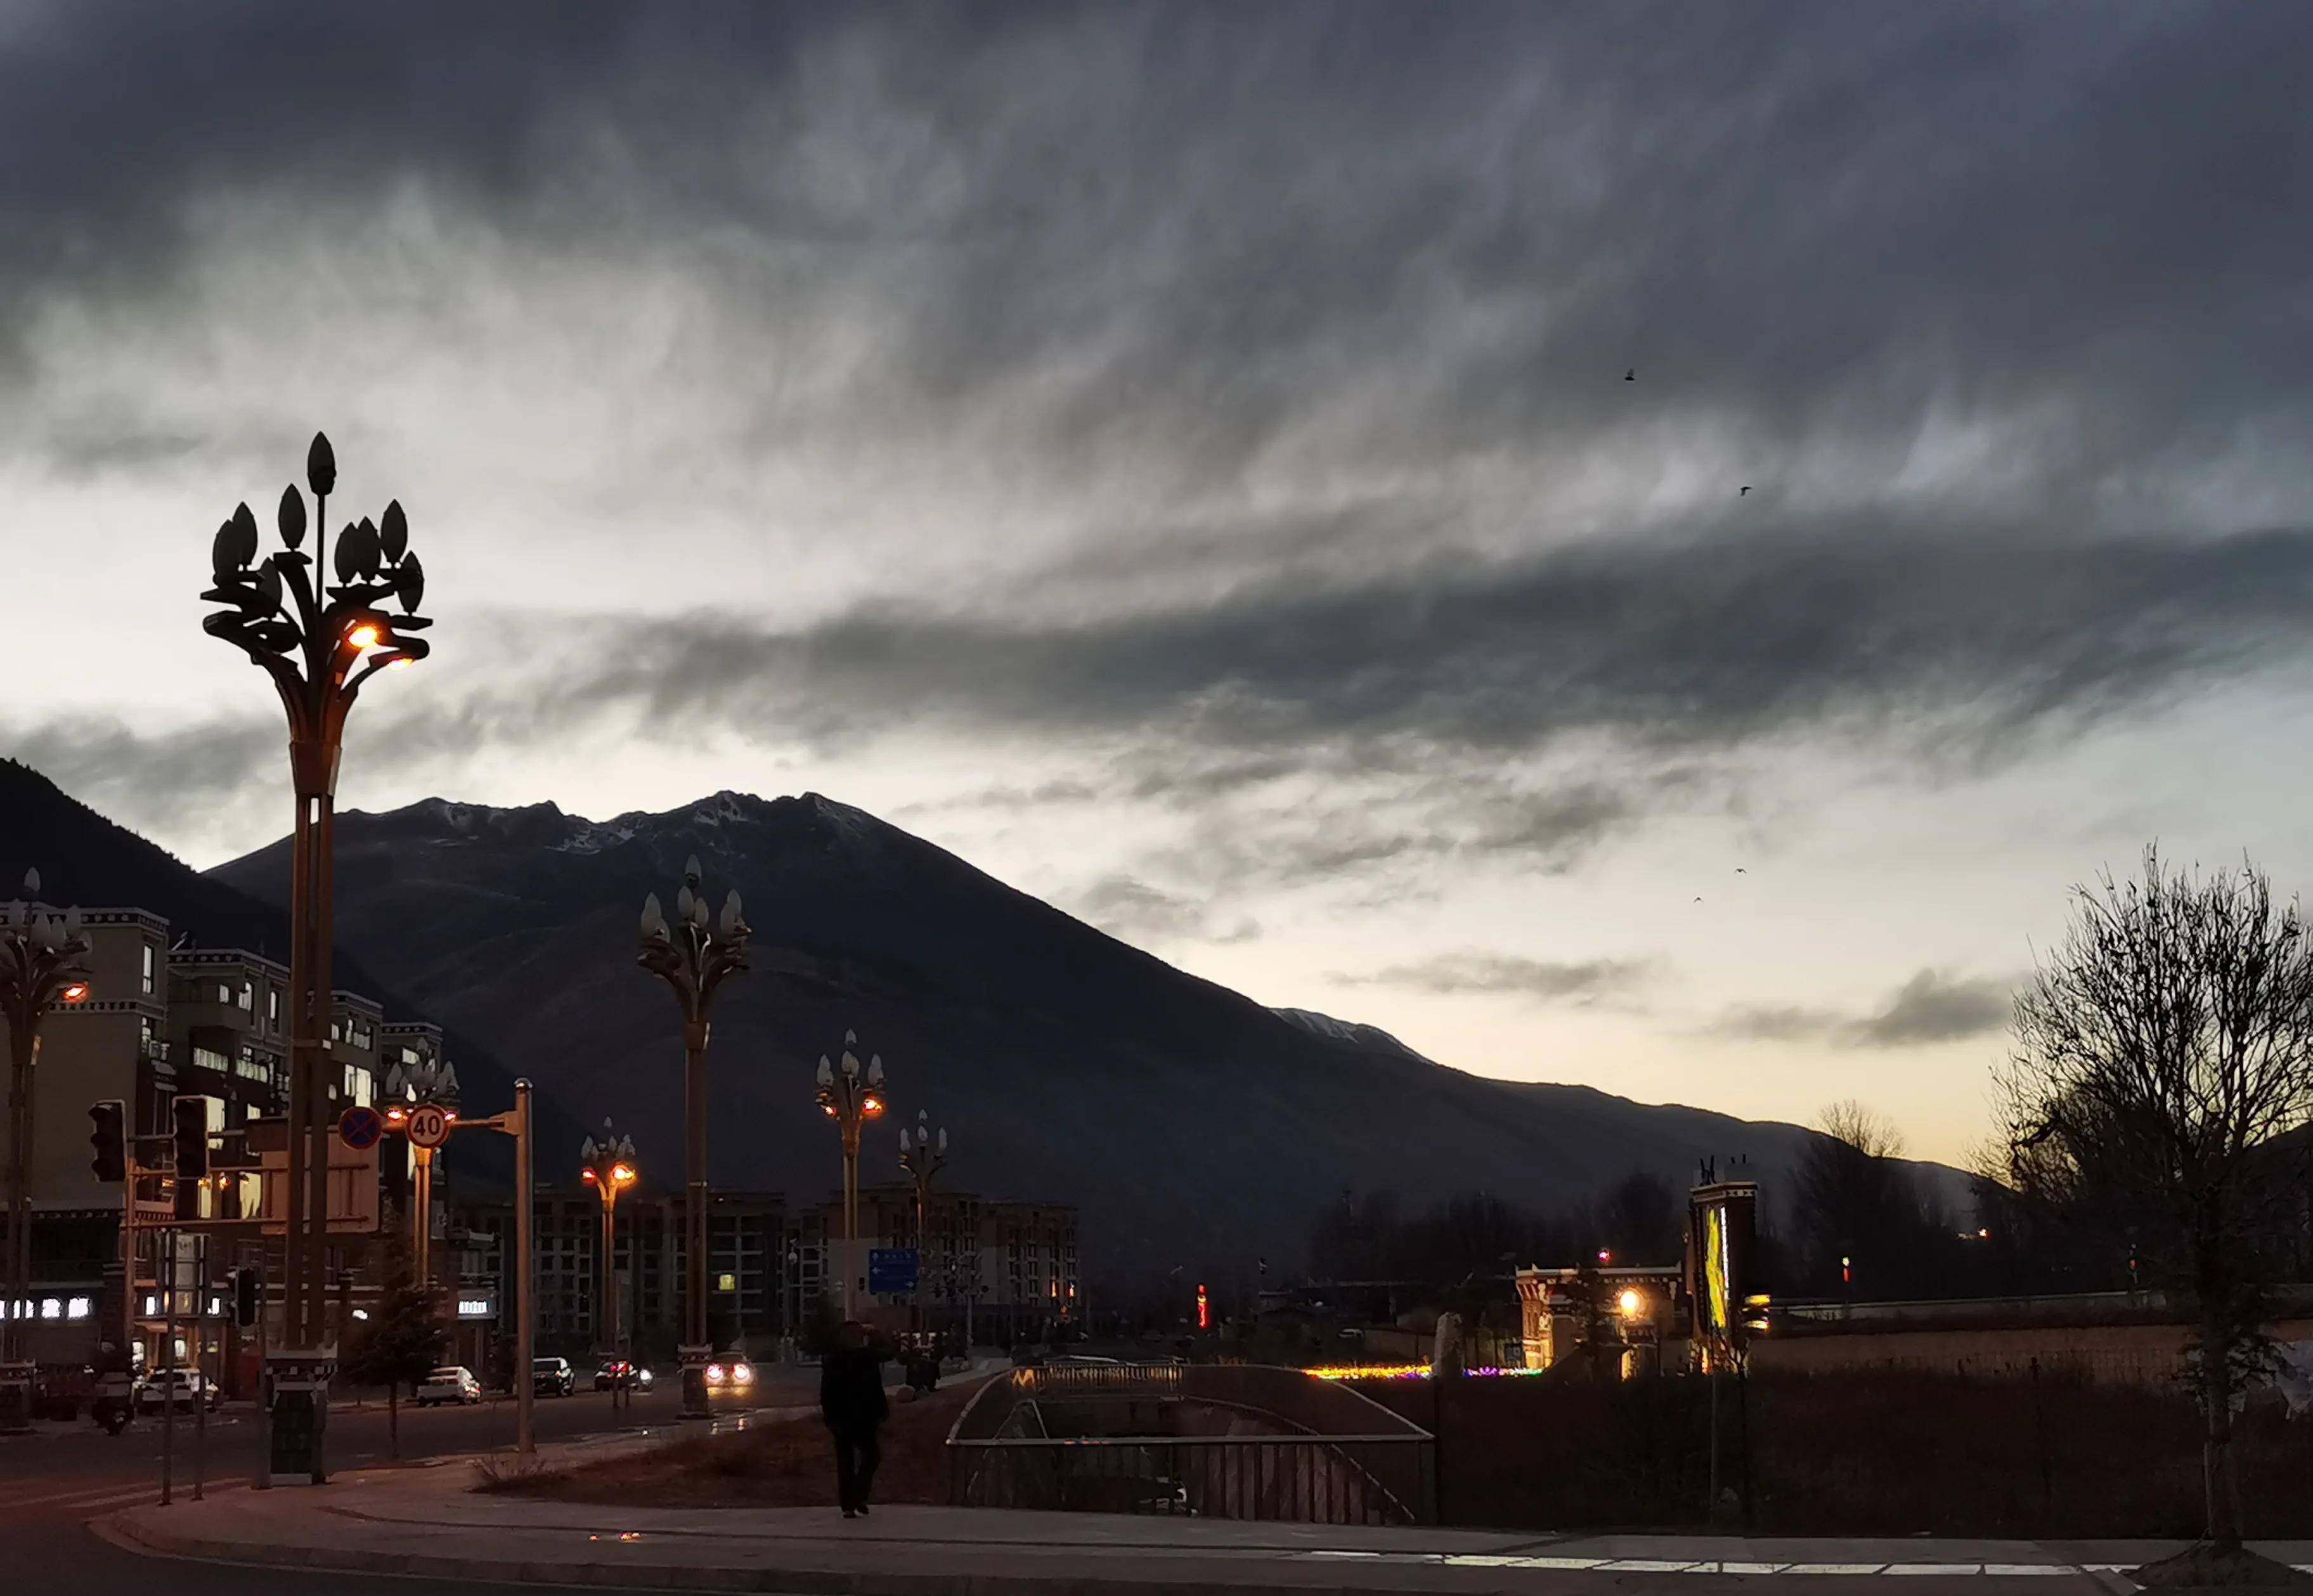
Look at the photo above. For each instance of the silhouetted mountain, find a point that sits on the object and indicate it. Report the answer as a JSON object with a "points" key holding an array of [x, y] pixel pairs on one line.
{"points": [[86, 859], [1192, 1125]]}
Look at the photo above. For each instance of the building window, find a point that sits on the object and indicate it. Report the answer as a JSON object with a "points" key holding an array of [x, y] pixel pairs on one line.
{"points": [[248, 998], [273, 1010], [148, 968], [224, 993], [209, 1058]]}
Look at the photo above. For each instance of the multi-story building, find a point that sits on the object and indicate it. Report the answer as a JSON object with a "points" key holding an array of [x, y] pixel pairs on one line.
{"points": [[746, 1235], [1008, 1269], [160, 1022]]}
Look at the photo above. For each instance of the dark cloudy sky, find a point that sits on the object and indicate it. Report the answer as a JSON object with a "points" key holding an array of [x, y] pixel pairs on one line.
{"points": [[1181, 458]]}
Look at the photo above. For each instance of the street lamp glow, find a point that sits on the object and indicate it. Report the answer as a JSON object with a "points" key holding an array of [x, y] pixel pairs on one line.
{"points": [[851, 1098], [609, 1168], [293, 613], [1630, 1303]]}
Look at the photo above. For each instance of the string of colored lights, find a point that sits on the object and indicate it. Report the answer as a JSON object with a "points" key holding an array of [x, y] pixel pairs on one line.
{"points": [[1400, 1371]]}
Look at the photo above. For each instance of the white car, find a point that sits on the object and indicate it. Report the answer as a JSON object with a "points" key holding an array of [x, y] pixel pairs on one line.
{"points": [[449, 1385], [177, 1387]]}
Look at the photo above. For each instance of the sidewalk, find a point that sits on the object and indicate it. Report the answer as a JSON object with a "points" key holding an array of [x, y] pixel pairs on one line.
{"points": [[427, 1521]]}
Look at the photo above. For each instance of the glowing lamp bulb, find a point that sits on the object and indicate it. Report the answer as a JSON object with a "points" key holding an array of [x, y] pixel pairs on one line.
{"points": [[76, 992], [587, 1176], [873, 1106], [621, 1174], [364, 635], [1630, 1303]]}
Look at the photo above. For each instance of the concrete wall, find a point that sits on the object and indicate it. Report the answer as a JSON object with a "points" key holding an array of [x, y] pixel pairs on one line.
{"points": [[2137, 1355]]}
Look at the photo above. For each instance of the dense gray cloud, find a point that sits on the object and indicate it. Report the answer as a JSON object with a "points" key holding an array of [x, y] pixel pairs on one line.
{"points": [[1477, 970], [1967, 640], [1303, 327], [1193, 234], [1933, 1007]]}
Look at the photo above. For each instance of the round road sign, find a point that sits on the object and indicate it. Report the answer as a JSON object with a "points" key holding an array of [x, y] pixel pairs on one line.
{"points": [[360, 1128], [427, 1125]]}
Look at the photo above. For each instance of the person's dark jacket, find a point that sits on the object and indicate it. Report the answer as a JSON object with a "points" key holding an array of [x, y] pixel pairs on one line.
{"points": [[851, 1388]]}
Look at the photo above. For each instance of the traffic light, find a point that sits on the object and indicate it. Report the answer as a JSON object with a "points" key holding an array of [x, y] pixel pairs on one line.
{"points": [[111, 1159], [245, 1303], [192, 1119]]}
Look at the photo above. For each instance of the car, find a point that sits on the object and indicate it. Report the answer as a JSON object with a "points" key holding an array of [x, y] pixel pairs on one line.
{"points": [[449, 1384], [730, 1374], [552, 1377], [618, 1374], [178, 1388]]}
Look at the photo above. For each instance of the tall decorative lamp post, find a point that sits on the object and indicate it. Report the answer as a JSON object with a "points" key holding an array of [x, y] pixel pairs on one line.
{"points": [[609, 1167], [921, 1159], [40, 967], [693, 960], [430, 1083], [318, 641], [850, 1097]]}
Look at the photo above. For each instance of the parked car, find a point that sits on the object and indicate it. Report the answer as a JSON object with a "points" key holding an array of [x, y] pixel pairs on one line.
{"points": [[618, 1374], [552, 1377], [450, 1384], [177, 1387]]}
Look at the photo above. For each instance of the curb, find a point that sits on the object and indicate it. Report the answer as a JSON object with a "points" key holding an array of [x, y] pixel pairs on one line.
{"points": [[794, 1582]]}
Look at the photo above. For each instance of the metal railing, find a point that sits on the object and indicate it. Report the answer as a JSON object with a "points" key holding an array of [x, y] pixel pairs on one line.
{"points": [[1317, 1453]]}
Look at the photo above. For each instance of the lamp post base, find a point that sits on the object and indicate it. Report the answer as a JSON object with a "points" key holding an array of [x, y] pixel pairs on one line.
{"points": [[695, 1360], [298, 1417], [15, 1398]]}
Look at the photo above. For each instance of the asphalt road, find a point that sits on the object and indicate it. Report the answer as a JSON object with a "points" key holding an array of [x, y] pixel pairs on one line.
{"points": [[53, 1482]]}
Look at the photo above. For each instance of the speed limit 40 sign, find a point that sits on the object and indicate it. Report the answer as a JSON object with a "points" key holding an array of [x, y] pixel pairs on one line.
{"points": [[428, 1127]]}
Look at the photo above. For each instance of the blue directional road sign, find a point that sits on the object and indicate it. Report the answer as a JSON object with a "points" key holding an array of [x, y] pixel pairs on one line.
{"points": [[360, 1128], [890, 1271]]}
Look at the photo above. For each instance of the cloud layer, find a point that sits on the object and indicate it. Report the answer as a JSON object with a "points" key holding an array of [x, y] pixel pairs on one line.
{"points": [[1199, 430]]}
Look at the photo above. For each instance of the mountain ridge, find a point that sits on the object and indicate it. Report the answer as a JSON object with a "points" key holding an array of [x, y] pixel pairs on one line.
{"points": [[1183, 1117]]}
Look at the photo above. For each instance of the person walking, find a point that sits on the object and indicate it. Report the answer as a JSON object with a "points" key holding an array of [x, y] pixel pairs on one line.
{"points": [[851, 1400]]}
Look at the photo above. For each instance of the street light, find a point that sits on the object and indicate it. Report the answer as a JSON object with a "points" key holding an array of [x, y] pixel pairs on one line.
{"points": [[318, 641], [40, 969], [921, 1159], [850, 1097], [430, 1082], [609, 1167], [693, 960]]}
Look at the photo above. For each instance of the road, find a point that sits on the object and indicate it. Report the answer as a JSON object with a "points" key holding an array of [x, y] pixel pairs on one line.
{"points": [[53, 1482]]}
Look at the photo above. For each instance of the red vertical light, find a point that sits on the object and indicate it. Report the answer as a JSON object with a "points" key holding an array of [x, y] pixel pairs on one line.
{"points": [[1204, 1309]]}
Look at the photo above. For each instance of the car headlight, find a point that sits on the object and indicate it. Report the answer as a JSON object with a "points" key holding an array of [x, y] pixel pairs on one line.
{"points": [[714, 1374], [744, 1374]]}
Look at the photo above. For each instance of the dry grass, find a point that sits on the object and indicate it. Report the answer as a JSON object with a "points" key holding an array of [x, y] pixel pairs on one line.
{"points": [[785, 1464]]}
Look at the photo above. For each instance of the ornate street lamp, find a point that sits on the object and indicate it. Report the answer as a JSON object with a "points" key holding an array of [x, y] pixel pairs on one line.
{"points": [[852, 1096], [428, 1083], [318, 641], [693, 961], [921, 1159], [40, 969], [609, 1167]]}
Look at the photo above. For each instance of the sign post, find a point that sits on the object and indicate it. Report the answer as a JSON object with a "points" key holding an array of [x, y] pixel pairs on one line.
{"points": [[891, 1271]]}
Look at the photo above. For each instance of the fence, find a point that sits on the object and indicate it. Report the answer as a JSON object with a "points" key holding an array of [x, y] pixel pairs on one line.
{"points": [[1320, 1453]]}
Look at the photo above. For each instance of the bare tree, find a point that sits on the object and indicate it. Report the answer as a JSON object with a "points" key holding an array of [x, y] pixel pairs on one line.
{"points": [[1866, 1130], [1852, 1199], [2157, 1054]]}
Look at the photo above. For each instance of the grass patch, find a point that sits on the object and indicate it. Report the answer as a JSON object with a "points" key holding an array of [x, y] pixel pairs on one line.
{"points": [[789, 1463]]}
